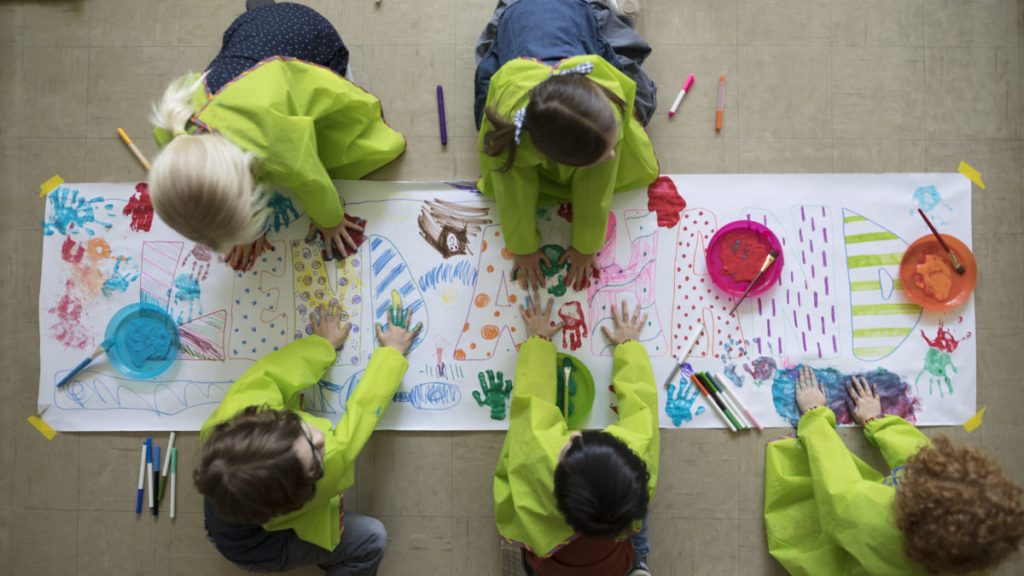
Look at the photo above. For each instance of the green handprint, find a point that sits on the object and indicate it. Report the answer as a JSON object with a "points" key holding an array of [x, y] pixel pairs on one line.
{"points": [[936, 364], [496, 391], [554, 254], [560, 388]]}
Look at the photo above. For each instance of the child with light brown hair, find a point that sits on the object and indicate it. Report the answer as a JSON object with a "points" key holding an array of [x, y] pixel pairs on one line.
{"points": [[943, 507]]}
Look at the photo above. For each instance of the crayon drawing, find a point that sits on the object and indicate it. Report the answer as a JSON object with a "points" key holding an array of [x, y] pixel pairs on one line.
{"points": [[448, 227]]}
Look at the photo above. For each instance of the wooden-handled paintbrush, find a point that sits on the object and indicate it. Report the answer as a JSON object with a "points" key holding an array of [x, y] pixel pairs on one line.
{"points": [[767, 262]]}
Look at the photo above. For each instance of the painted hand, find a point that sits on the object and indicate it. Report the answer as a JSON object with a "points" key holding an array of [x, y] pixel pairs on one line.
{"points": [[809, 394], [626, 327], [538, 322], [398, 335], [679, 405], [327, 324], [284, 211], [496, 391], [581, 268], [863, 402], [243, 257], [526, 268], [340, 239]]}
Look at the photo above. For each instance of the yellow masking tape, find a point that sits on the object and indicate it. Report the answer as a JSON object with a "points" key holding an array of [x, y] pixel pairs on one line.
{"points": [[42, 426], [972, 174], [972, 424], [48, 186]]}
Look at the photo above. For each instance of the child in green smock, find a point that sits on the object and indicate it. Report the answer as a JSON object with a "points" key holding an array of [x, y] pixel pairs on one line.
{"points": [[272, 475], [943, 508], [571, 498], [272, 108]]}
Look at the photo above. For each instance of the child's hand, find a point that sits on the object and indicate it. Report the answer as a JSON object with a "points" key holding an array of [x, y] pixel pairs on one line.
{"points": [[398, 335], [626, 327], [327, 324], [581, 268], [526, 269], [538, 322], [864, 402], [808, 392], [339, 237], [243, 257]]}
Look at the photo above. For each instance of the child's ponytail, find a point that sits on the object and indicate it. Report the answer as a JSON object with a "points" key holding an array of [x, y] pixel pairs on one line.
{"points": [[174, 110], [501, 138]]}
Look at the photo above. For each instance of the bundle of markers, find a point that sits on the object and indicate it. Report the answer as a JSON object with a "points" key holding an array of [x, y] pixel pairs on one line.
{"points": [[724, 401], [150, 478]]}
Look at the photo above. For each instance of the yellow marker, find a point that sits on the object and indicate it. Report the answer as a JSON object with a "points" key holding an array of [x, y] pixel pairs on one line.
{"points": [[972, 424], [972, 174], [49, 186], [42, 426], [131, 146]]}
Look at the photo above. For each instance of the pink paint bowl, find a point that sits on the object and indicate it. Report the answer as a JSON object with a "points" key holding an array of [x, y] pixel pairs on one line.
{"points": [[735, 254]]}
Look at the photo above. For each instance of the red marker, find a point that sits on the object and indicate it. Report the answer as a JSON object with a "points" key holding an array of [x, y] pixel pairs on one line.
{"points": [[679, 98]]}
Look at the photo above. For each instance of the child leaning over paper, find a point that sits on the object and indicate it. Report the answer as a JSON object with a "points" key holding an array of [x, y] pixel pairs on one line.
{"points": [[272, 475], [577, 501], [944, 508]]}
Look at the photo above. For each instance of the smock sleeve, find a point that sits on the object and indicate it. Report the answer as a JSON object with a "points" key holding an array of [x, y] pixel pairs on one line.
{"points": [[515, 193], [834, 473], [592, 189], [369, 400], [897, 439], [637, 395]]}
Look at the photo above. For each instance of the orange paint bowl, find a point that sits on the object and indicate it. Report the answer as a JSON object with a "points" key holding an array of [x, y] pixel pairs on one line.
{"points": [[962, 285]]}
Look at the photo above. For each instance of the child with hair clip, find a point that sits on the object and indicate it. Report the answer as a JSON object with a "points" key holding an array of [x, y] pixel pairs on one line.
{"points": [[561, 119], [272, 108], [943, 509], [577, 502], [272, 475]]}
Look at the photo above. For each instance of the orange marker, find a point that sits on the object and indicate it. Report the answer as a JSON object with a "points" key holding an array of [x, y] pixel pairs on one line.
{"points": [[720, 108], [131, 146]]}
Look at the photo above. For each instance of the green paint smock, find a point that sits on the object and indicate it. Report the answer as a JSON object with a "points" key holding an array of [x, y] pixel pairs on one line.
{"points": [[533, 179], [308, 125], [524, 482], [275, 381], [825, 510]]}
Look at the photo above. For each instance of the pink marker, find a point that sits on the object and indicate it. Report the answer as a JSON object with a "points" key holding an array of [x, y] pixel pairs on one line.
{"points": [[679, 99]]}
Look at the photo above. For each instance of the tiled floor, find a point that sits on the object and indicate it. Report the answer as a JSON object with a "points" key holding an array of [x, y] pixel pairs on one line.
{"points": [[814, 86]]}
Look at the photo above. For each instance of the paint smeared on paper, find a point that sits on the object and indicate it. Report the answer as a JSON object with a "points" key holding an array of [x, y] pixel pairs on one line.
{"points": [[140, 209], [663, 198], [897, 395]]}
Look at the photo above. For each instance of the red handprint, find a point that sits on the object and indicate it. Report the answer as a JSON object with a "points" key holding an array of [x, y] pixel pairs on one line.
{"points": [[140, 208], [575, 325]]}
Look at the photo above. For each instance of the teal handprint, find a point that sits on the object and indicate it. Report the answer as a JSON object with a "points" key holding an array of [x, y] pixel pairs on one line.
{"points": [[560, 398], [283, 210], [496, 392], [120, 278], [70, 213], [679, 406]]}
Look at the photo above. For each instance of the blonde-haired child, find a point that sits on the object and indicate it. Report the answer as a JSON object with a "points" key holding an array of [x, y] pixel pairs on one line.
{"points": [[272, 108]]}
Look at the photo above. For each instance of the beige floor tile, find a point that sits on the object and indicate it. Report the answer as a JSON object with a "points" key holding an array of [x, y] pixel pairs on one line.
{"points": [[753, 553], [461, 94], [695, 117], [203, 22], [44, 543], [783, 92], [193, 59], [784, 22], [426, 159], [699, 22], [19, 368], [694, 546], [405, 79], [778, 155], [878, 93], [191, 554], [10, 88], [52, 102], [1000, 432], [697, 475], [959, 23], [955, 106], [418, 545], [403, 22], [470, 18], [109, 160], [878, 22], [405, 475], [474, 457], [108, 472], [10, 418], [750, 473], [1000, 206], [998, 354], [45, 473], [6, 522], [20, 284], [697, 155], [39, 160], [55, 23], [131, 23], [119, 98], [878, 156], [126, 544], [476, 549], [10, 25], [347, 17]]}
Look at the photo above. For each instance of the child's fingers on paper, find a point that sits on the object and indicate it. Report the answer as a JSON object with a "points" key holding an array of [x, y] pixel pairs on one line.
{"points": [[550, 306], [874, 391], [352, 225], [636, 313], [625, 311]]}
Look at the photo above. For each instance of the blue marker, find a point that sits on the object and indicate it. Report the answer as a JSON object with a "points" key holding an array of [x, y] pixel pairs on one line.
{"points": [[156, 476], [149, 472], [142, 480]]}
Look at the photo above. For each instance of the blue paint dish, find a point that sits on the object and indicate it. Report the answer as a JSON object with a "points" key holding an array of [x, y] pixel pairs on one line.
{"points": [[144, 341]]}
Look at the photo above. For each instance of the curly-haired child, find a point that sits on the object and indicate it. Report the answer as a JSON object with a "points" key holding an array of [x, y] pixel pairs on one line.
{"points": [[943, 508], [272, 475], [273, 107]]}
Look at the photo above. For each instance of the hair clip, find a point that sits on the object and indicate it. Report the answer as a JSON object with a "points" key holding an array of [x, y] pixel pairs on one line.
{"points": [[517, 121], [585, 68]]}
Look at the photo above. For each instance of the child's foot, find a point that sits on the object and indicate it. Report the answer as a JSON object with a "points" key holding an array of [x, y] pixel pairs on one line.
{"points": [[254, 4], [626, 8], [640, 570]]}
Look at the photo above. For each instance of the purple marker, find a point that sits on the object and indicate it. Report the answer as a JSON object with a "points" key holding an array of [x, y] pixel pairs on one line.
{"points": [[440, 115]]}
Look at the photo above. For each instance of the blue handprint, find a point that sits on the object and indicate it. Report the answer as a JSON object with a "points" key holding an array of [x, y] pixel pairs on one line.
{"points": [[72, 213], [679, 406], [120, 279], [283, 209]]}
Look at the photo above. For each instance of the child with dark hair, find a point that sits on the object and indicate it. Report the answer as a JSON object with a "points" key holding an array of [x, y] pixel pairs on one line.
{"points": [[577, 502], [561, 103], [943, 508], [272, 475]]}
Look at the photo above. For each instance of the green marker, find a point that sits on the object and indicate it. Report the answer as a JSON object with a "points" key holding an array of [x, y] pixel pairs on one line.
{"points": [[717, 398]]}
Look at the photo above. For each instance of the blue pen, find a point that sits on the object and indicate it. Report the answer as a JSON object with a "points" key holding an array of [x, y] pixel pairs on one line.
{"points": [[156, 476], [149, 472], [142, 480]]}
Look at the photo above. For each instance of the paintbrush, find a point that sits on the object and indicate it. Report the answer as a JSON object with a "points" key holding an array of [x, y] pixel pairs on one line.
{"points": [[767, 262], [566, 374], [101, 349], [952, 256]]}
